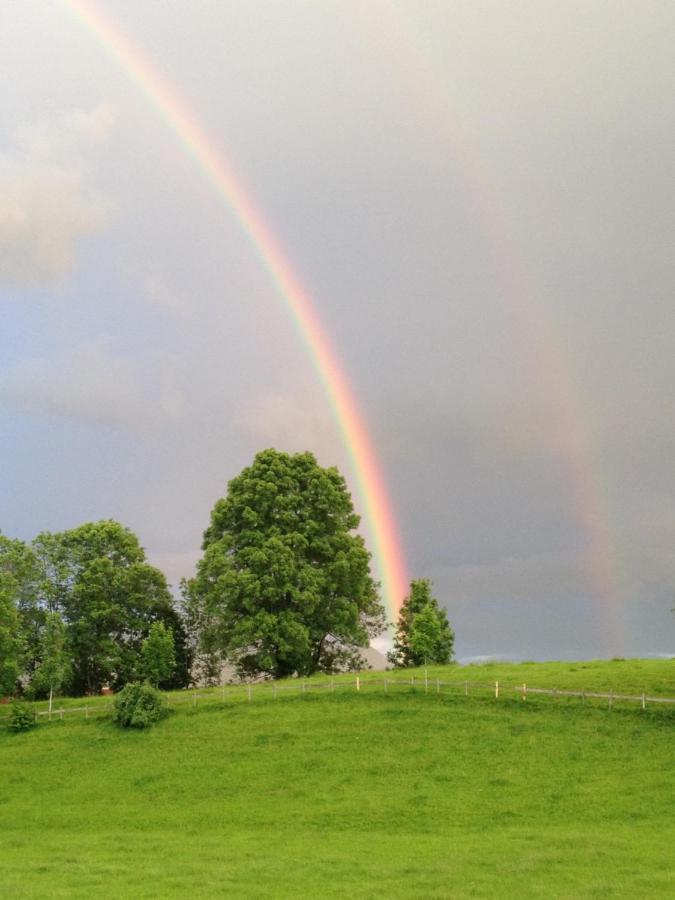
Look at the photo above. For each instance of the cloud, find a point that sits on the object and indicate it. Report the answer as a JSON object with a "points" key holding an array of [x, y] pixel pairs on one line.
{"points": [[92, 385], [47, 201], [294, 422]]}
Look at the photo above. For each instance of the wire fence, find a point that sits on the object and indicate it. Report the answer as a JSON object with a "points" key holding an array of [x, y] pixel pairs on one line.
{"points": [[271, 690]]}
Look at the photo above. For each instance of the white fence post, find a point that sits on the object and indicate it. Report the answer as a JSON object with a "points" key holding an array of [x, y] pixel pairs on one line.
{"points": [[496, 689], [524, 693], [644, 701], [358, 683]]}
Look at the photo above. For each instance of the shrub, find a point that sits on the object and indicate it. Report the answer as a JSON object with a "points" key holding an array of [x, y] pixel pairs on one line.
{"points": [[21, 717], [138, 705]]}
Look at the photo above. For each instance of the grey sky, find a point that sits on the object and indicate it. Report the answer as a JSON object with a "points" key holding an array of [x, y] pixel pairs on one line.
{"points": [[477, 195]]}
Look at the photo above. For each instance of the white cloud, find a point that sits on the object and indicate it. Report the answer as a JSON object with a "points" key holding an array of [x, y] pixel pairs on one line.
{"points": [[47, 201]]}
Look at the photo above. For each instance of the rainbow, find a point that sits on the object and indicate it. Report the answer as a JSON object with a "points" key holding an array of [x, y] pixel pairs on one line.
{"points": [[388, 554], [534, 328]]}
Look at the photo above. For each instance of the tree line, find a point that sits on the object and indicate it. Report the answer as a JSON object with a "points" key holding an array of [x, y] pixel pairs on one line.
{"points": [[283, 588]]}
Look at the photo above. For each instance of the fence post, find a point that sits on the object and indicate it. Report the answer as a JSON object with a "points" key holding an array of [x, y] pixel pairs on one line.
{"points": [[583, 698], [644, 701], [412, 682], [358, 683], [524, 691], [438, 686], [496, 689], [86, 712], [610, 699], [194, 697], [61, 712]]}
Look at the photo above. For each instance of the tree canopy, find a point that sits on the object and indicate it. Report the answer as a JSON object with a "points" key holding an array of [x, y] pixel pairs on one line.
{"points": [[284, 585], [14, 566], [423, 633], [75, 608]]}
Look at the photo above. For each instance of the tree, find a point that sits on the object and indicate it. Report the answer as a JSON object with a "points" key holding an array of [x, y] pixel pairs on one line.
{"points": [[159, 655], [423, 633], [98, 579], [12, 643], [284, 585], [139, 705], [54, 668]]}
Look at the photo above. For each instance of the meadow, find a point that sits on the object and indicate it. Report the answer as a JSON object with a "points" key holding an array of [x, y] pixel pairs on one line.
{"points": [[339, 793]]}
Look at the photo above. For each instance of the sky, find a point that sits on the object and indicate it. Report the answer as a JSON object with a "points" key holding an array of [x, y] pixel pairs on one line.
{"points": [[479, 199]]}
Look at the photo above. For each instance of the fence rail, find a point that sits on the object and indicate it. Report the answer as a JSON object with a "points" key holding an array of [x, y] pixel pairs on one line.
{"points": [[273, 689]]}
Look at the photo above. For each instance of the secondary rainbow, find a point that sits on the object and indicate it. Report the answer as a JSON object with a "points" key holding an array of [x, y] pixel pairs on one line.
{"points": [[379, 518], [533, 326]]}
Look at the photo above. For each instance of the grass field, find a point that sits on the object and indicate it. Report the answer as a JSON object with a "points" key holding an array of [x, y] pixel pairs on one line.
{"points": [[361, 795]]}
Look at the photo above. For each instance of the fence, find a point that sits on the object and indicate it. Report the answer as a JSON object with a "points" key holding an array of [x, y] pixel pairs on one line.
{"points": [[273, 690]]}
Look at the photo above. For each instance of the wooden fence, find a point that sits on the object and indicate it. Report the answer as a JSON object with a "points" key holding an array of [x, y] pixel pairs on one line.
{"points": [[273, 690]]}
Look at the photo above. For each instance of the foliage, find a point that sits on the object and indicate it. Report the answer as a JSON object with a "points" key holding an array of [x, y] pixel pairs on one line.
{"points": [[54, 668], [423, 633], [21, 717], [284, 586], [12, 643], [98, 578], [138, 705], [159, 655]]}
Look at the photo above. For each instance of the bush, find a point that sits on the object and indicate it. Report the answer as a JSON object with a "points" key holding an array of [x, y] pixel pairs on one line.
{"points": [[21, 717], [138, 705]]}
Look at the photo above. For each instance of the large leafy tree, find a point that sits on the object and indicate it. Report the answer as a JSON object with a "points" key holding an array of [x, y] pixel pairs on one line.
{"points": [[21, 616], [98, 579], [423, 633], [284, 584]]}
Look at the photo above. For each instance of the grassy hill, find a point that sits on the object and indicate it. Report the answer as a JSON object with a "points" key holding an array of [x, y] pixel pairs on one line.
{"points": [[333, 794]]}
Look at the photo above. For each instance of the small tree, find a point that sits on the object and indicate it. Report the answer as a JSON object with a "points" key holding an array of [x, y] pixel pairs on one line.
{"points": [[138, 705], [423, 633], [21, 717], [159, 656], [54, 668]]}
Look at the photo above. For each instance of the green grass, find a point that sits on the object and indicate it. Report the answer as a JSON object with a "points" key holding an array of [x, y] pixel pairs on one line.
{"points": [[345, 794]]}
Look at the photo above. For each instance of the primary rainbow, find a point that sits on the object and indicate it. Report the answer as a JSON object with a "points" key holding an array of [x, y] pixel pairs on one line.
{"points": [[388, 554]]}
